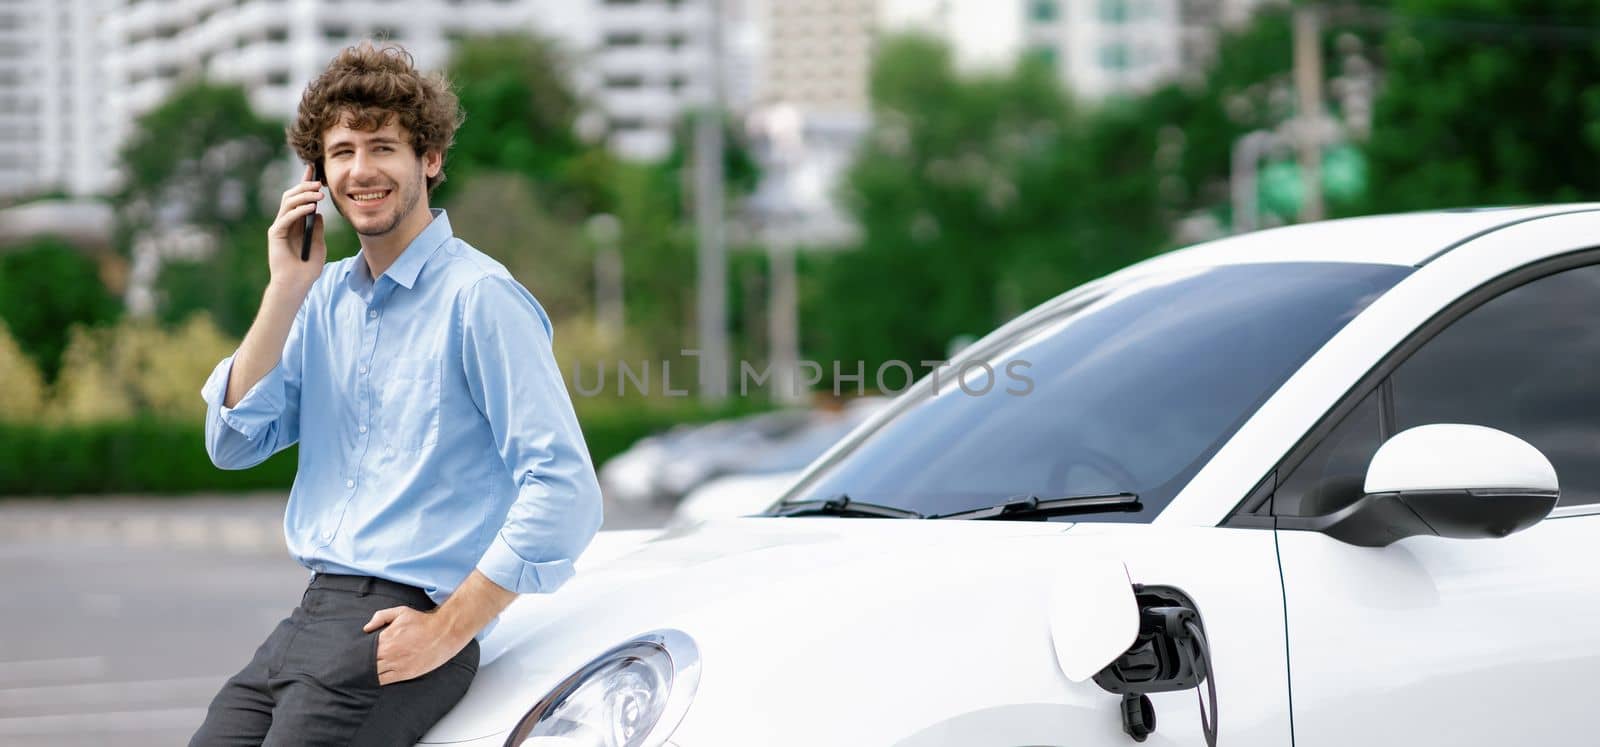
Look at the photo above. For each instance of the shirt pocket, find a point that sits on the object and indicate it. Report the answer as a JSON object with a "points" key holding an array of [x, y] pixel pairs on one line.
{"points": [[410, 414]]}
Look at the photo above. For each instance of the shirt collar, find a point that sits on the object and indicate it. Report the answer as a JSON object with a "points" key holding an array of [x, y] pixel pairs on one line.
{"points": [[409, 264]]}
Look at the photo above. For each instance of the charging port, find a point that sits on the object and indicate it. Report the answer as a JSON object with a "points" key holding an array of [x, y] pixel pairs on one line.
{"points": [[1170, 653]]}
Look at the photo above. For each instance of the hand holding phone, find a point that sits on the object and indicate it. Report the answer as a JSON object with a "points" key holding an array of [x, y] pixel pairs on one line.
{"points": [[291, 265], [311, 218]]}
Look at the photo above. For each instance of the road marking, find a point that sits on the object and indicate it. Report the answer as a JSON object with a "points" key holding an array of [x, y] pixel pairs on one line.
{"points": [[199, 689], [40, 671], [169, 719]]}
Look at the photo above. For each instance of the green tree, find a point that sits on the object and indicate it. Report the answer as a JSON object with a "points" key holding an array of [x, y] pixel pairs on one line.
{"points": [[1486, 102], [521, 134], [977, 198], [198, 162], [658, 251], [522, 184], [521, 112], [47, 287], [740, 172], [500, 214], [1249, 86]]}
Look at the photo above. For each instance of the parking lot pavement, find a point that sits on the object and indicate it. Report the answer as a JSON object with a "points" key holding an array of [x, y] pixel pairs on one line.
{"points": [[124, 615]]}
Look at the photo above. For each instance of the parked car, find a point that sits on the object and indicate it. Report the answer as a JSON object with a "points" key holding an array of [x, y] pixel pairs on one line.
{"points": [[728, 496], [754, 484], [1329, 484], [662, 467]]}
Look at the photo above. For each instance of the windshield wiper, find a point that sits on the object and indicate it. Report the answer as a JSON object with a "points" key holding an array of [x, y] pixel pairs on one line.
{"points": [[843, 505], [1032, 507]]}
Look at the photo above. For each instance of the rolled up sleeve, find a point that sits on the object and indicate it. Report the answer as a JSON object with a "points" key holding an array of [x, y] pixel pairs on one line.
{"points": [[264, 421], [513, 379]]}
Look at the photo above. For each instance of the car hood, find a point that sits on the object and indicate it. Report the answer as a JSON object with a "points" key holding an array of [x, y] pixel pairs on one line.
{"points": [[791, 607]]}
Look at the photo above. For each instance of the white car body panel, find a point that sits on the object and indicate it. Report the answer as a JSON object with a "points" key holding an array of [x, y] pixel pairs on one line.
{"points": [[1443, 641], [955, 631], [1406, 239], [1515, 674], [890, 632]]}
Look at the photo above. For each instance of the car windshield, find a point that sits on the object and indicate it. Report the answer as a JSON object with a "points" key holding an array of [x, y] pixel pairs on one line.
{"points": [[1129, 391]]}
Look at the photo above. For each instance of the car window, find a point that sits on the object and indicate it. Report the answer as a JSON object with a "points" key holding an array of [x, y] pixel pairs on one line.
{"points": [[1524, 363], [1333, 475], [1134, 392]]}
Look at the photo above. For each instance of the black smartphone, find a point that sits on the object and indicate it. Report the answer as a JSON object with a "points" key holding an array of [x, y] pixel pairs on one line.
{"points": [[311, 218]]}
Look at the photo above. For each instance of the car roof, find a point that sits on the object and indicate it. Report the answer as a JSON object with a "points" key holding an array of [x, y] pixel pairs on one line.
{"points": [[1406, 239]]}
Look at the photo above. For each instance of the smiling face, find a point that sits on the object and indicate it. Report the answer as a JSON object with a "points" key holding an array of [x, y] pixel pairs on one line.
{"points": [[377, 180]]}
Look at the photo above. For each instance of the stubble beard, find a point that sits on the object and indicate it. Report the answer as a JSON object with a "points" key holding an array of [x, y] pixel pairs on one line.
{"points": [[412, 196]]}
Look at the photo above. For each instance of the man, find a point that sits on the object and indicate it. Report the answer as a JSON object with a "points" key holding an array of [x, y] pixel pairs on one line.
{"points": [[441, 469]]}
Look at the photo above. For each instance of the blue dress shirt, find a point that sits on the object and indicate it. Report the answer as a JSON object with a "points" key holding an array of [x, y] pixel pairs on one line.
{"points": [[435, 431]]}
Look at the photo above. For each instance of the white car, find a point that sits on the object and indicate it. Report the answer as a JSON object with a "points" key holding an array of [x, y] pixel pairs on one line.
{"points": [[1331, 484]]}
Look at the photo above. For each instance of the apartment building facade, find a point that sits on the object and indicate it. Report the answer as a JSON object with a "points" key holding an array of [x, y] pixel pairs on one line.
{"points": [[272, 47], [48, 97], [651, 64], [1102, 48], [76, 74]]}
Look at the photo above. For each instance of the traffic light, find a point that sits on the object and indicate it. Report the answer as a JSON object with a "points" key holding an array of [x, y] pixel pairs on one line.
{"points": [[1281, 191]]}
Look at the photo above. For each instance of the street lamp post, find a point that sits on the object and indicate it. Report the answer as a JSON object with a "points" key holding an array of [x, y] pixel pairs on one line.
{"points": [[783, 323], [1308, 125], [605, 231], [1243, 182], [782, 220], [1310, 132], [711, 264]]}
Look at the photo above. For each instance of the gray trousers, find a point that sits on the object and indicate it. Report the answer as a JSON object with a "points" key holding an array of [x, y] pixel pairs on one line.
{"points": [[315, 679]]}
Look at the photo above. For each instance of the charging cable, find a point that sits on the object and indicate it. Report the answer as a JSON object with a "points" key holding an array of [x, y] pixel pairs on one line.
{"points": [[1208, 726]]}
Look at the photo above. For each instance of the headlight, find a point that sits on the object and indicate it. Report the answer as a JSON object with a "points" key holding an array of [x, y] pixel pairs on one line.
{"points": [[631, 696]]}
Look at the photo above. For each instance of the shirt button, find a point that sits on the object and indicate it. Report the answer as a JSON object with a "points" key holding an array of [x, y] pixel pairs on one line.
{"points": [[327, 535], [363, 429], [372, 315], [362, 370], [349, 483]]}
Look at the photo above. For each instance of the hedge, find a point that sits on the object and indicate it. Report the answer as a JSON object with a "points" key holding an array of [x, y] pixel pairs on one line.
{"points": [[154, 456]]}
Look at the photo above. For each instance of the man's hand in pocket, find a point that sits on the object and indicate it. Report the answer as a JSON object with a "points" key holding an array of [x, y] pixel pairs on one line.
{"points": [[413, 643]]}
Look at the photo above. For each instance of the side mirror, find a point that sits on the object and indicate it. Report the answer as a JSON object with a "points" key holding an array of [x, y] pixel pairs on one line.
{"points": [[1446, 480]]}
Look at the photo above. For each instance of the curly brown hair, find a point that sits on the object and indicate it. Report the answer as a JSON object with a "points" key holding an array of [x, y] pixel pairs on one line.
{"points": [[367, 86]]}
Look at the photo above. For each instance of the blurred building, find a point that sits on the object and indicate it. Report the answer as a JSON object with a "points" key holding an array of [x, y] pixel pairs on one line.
{"points": [[273, 47], [75, 74], [1106, 47], [48, 97], [817, 53], [653, 59], [1097, 47], [814, 67], [810, 113]]}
